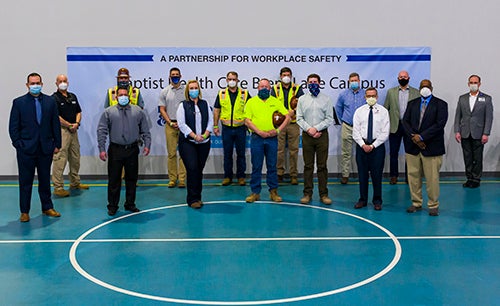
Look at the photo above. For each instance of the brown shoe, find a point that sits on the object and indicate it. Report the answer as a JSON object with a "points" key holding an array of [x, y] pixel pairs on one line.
{"points": [[306, 199], [413, 209], [326, 200], [181, 184], [51, 213], [226, 181], [434, 212], [359, 204], [377, 206], [394, 180], [294, 180], [252, 198], [273, 195], [24, 217], [241, 181], [171, 184], [81, 187], [344, 180], [62, 193], [196, 205], [280, 178]]}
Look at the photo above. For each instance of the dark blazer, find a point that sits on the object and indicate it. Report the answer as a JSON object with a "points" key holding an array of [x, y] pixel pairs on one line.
{"points": [[24, 130], [477, 122], [431, 129]]}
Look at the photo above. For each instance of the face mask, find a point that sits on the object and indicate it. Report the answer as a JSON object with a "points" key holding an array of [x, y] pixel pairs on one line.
{"points": [[371, 101], [193, 93], [231, 83], [35, 89], [175, 79], [62, 86], [313, 89], [286, 80], [123, 100], [474, 87], [264, 93], [123, 84], [425, 92], [403, 82], [354, 85]]}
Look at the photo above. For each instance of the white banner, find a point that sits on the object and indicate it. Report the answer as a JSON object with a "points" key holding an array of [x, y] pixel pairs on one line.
{"points": [[92, 71]]}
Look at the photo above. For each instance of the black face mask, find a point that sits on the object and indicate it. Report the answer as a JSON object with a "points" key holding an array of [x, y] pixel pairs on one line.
{"points": [[403, 82], [123, 83]]}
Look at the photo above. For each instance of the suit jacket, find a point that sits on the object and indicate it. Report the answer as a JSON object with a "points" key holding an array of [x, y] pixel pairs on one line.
{"points": [[477, 122], [392, 105], [25, 132], [431, 130]]}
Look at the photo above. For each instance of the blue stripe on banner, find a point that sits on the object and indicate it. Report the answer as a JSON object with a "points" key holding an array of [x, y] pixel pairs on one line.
{"points": [[389, 58], [108, 58]]}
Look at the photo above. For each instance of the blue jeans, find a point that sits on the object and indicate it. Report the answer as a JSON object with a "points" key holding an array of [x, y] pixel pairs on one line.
{"points": [[234, 137], [260, 148]]}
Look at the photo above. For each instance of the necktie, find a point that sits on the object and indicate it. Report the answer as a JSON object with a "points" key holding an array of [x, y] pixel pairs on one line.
{"points": [[422, 112], [125, 126], [38, 106], [369, 137]]}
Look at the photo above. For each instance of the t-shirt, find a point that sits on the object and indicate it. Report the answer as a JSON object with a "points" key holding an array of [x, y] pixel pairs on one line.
{"points": [[261, 112]]}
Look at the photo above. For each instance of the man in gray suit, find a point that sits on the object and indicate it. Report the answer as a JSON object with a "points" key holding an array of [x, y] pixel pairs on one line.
{"points": [[473, 121], [396, 100]]}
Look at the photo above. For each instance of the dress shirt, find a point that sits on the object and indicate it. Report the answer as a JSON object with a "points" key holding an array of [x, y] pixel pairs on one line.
{"points": [[186, 130], [347, 104], [472, 101], [404, 95], [171, 97], [381, 124], [316, 112]]}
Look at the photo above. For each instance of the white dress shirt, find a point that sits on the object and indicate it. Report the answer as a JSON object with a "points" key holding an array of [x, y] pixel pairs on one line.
{"points": [[381, 124]]}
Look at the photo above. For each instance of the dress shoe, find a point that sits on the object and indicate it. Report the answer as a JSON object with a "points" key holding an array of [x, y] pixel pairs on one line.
{"points": [[326, 200], [467, 184], [377, 206], [112, 211], [80, 186], [132, 208], [280, 178], [51, 213], [241, 181], [294, 180], [434, 212], [171, 184], [413, 209], [394, 180], [474, 184], [360, 204], [344, 180], [306, 199], [252, 198], [24, 217], [62, 193], [196, 205], [273, 195], [226, 181], [182, 184]]}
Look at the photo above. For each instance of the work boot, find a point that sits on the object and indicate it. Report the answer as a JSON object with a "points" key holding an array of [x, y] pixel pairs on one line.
{"points": [[252, 198], [80, 186], [62, 193], [241, 181], [294, 180], [273, 194], [226, 181]]}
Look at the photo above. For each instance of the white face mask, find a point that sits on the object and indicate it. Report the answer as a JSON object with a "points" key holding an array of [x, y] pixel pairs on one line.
{"points": [[286, 80], [371, 101], [474, 87], [425, 92], [63, 86], [231, 83]]}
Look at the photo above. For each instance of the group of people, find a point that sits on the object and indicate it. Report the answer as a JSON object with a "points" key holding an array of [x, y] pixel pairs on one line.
{"points": [[43, 129]]}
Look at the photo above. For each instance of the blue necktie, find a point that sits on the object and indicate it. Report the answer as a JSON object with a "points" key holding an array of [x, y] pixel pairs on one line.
{"points": [[38, 106], [369, 137]]}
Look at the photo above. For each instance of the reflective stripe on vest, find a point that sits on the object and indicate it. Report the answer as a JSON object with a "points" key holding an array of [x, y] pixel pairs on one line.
{"points": [[239, 106], [278, 90]]}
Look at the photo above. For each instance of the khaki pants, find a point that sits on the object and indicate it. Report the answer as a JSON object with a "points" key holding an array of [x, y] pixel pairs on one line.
{"points": [[346, 147], [69, 153], [291, 133], [174, 172], [422, 166]]}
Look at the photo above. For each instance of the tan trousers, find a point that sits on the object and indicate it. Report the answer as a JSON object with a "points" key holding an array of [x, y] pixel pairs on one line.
{"points": [[291, 133], [69, 153], [420, 166], [174, 172], [346, 147]]}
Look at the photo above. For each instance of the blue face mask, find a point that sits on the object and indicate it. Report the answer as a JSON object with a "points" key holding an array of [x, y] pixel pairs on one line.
{"points": [[35, 89], [175, 79], [123, 100], [193, 93], [264, 93], [354, 85], [123, 84], [313, 89]]}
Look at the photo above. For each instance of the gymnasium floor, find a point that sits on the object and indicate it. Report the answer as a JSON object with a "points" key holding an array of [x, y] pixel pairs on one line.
{"points": [[234, 253]]}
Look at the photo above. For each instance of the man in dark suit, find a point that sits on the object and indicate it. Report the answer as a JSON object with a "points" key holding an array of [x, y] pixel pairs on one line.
{"points": [[424, 122], [473, 121], [35, 131]]}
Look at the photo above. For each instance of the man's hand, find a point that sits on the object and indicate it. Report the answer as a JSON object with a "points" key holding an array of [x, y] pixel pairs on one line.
{"points": [[458, 137], [367, 148], [103, 156], [216, 131], [56, 150], [416, 138], [484, 139], [145, 151]]}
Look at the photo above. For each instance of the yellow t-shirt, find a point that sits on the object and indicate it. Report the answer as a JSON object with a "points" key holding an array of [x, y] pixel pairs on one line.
{"points": [[261, 112]]}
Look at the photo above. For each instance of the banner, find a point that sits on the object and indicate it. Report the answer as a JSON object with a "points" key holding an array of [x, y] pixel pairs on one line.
{"points": [[92, 70]]}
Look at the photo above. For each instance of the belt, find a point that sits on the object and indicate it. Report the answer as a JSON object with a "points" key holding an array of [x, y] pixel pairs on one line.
{"points": [[347, 123], [126, 147]]}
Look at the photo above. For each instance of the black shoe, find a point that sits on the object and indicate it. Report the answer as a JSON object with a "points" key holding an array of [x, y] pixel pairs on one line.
{"points": [[132, 208], [474, 184], [112, 211], [467, 184], [413, 209], [434, 212], [377, 206]]}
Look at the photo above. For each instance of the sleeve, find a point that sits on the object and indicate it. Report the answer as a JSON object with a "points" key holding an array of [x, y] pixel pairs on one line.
{"points": [[140, 100], [210, 124], [356, 129], [181, 121], [102, 131], [56, 123], [328, 119], [144, 130], [300, 115], [339, 107], [489, 117], [14, 122], [384, 129], [458, 117]]}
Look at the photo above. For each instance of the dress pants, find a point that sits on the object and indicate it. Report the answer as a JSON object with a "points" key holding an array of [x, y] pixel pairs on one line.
{"points": [[122, 157], [473, 158], [427, 166], [176, 171], [195, 157], [290, 135], [69, 153], [394, 145], [315, 148], [346, 148], [234, 138], [370, 164]]}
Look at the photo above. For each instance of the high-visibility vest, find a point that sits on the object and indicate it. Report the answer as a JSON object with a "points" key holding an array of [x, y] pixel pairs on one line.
{"points": [[133, 94], [278, 90], [229, 115]]}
